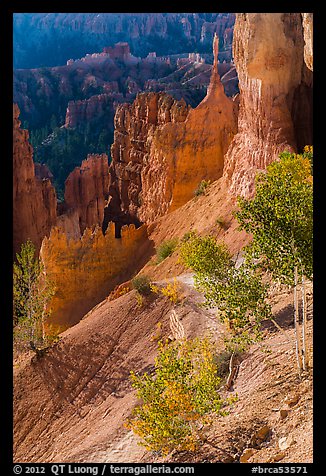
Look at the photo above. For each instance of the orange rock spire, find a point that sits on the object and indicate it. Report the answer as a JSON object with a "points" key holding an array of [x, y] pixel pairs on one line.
{"points": [[215, 82]]}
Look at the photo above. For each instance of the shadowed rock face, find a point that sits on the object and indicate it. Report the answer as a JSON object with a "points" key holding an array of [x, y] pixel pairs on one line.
{"points": [[34, 199], [86, 190], [135, 125], [275, 94], [162, 150]]}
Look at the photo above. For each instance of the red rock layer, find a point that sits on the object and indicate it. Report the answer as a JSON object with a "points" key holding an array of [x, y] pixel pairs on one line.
{"points": [[34, 199], [86, 190], [268, 52], [162, 150]]}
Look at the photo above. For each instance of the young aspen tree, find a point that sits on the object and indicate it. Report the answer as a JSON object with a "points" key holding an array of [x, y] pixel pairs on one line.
{"points": [[280, 219]]}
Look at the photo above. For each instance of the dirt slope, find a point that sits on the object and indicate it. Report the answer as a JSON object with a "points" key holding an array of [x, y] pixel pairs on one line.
{"points": [[211, 213], [70, 405]]}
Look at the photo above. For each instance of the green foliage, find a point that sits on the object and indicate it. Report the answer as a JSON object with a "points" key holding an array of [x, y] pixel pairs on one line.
{"points": [[65, 149], [204, 255], [31, 293], [177, 397], [280, 216], [166, 249], [142, 284], [238, 293], [202, 187]]}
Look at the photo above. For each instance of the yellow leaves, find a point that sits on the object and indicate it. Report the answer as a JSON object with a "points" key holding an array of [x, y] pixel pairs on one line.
{"points": [[171, 290], [178, 397], [140, 300], [308, 149]]}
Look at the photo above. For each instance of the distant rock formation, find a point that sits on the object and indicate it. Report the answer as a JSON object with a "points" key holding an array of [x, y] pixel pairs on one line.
{"points": [[86, 190], [120, 51], [162, 150], [85, 270], [275, 94], [34, 199], [78, 32], [42, 171], [82, 112]]}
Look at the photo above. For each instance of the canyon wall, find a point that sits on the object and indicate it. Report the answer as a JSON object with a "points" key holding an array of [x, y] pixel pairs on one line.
{"points": [[162, 150], [85, 270], [86, 190], [34, 199], [275, 95]]}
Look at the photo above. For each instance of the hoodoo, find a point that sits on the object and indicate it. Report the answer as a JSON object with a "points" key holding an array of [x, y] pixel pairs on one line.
{"points": [[34, 199], [162, 150], [275, 94]]}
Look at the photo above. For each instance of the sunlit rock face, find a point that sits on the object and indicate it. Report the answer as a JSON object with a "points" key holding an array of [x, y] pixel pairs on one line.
{"points": [[163, 149], [85, 270], [275, 94]]}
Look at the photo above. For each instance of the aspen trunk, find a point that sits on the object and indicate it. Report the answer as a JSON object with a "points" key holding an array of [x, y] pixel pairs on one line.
{"points": [[296, 322], [304, 326]]}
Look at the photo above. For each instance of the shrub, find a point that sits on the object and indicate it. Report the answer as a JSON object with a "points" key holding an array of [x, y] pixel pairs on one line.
{"points": [[204, 255], [171, 290], [166, 249], [202, 187], [140, 300], [142, 284], [177, 397], [187, 236], [238, 293]]}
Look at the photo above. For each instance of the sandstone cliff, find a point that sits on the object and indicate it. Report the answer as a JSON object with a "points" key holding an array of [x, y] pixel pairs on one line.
{"points": [[275, 94], [86, 190], [34, 199], [85, 270], [162, 151]]}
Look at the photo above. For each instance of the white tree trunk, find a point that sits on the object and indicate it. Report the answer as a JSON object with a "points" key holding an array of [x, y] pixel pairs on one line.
{"points": [[304, 326], [296, 322]]}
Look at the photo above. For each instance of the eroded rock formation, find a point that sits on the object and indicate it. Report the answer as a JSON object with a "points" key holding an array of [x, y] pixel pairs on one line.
{"points": [[307, 23], [34, 199], [275, 94], [134, 128], [86, 190], [85, 270], [83, 111], [162, 151]]}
